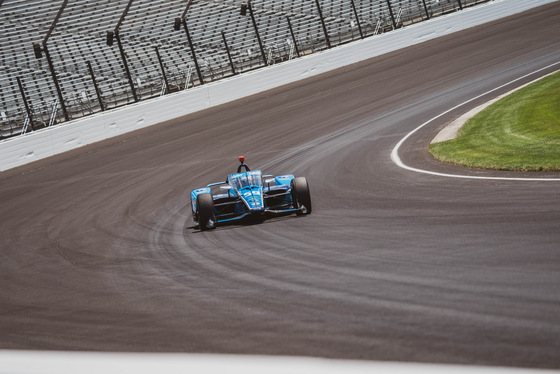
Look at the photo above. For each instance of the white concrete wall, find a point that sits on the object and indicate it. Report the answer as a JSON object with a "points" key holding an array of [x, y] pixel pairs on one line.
{"points": [[64, 137]]}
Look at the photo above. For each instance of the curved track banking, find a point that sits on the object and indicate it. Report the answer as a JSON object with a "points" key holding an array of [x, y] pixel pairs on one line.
{"points": [[98, 251], [397, 160]]}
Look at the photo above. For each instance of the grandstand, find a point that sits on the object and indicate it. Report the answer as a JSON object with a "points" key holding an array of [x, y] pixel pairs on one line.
{"points": [[64, 59]]}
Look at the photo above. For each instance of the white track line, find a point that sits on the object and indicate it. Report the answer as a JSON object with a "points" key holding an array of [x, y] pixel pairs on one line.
{"points": [[397, 160]]}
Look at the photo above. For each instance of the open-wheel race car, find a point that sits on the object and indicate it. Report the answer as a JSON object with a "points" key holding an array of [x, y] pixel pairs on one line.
{"points": [[249, 194]]}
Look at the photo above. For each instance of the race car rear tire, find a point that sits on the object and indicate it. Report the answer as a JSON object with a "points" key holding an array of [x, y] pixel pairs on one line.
{"points": [[205, 207], [300, 195]]}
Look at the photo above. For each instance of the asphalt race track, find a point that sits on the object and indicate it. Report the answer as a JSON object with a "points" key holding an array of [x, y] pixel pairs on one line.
{"points": [[99, 253]]}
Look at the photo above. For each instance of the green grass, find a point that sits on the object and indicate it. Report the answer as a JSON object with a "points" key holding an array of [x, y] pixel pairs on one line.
{"points": [[519, 132]]}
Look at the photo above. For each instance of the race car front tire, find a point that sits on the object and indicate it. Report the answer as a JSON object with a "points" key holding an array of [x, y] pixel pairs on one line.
{"points": [[300, 195], [205, 207], [194, 214]]}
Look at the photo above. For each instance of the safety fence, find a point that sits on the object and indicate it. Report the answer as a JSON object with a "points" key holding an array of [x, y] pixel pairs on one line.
{"points": [[61, 60]]}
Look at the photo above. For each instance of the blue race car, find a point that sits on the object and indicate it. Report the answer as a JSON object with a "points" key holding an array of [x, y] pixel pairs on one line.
{"points": [[249, 194]]}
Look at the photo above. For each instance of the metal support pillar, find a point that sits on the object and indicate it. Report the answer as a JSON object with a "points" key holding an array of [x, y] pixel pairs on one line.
{"points": [[162, 69], [55, 80], [121, 49], [177, 26], [126, 69], [50, 62], [257, 31], [25, 103], [228, 53], [426, 9], [323, 24], [97, 92], [391, 13], [357, 19], [191, 46], [293, 35]]}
